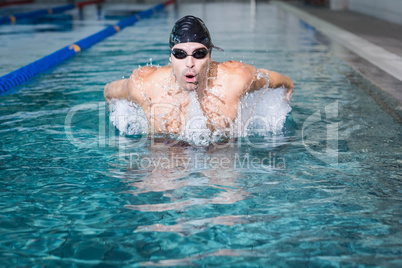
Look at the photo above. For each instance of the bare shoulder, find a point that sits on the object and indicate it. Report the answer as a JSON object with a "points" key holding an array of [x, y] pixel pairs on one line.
{"points": [[143, 72], [238, 69], [149, 72], [232, 64], [145, 80], [236, 75]]}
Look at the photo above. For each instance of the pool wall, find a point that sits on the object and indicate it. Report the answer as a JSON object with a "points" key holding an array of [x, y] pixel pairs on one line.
{"points": [[367, 54]]}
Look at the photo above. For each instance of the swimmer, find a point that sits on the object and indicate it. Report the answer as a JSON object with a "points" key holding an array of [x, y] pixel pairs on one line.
{"points": [[164, 92]]}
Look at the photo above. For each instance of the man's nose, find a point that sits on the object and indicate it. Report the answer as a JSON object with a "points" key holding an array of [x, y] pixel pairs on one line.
{"points": [[190, 61]]}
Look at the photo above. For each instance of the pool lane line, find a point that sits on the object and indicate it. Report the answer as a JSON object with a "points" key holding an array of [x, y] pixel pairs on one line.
{"points": [[36, 13], [27, 72], [376, 55], [12, 3]]}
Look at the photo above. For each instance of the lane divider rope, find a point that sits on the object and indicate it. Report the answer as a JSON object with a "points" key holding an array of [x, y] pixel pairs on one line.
{"points": [[36, 13], [75, 48], [27, 72]]}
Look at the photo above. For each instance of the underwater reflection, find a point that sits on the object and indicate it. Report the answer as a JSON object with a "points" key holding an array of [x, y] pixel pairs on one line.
{"points": [[193, 259], [186, 176], [188, 227]]}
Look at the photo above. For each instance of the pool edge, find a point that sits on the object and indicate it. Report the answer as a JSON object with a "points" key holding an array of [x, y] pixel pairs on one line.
{"points": [[385, 67]]}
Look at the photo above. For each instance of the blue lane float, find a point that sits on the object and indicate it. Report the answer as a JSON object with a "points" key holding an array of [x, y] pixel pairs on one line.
{"points": [[26, 72], [41, 12], [33, 14]]}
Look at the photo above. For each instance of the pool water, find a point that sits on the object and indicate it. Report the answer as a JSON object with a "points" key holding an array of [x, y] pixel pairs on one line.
{"points": [[325, 190]]}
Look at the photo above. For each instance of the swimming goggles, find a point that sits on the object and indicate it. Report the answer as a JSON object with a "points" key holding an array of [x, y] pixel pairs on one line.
{"points": [[197, 54]]}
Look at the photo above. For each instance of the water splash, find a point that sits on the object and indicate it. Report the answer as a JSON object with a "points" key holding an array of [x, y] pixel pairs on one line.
{"points": [[128, 117], [262, 112], [196, 131]]}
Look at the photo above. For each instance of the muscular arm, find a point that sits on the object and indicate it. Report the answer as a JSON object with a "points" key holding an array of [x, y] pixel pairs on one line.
{"points": [[275, 80], [128, 88], [117, 90]]}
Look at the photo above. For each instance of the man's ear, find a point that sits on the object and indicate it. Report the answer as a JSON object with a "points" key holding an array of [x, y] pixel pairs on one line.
{"points": [[170, 58]]}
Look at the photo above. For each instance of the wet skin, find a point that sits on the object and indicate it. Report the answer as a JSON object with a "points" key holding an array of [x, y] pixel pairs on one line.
{"points": [[163, 92]]}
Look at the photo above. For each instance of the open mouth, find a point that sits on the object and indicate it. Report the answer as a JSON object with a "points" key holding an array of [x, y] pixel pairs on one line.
{"points": [[190, 77]]}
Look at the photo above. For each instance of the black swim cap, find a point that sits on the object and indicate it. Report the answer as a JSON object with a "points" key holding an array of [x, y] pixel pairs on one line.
{"points": [[191, 29]]}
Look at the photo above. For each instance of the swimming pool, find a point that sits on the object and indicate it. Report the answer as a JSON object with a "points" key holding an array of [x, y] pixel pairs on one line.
{"points": [[325, 191]]}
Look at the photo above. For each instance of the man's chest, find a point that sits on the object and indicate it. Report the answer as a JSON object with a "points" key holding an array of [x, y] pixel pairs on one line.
{"points": [[172, 112]]}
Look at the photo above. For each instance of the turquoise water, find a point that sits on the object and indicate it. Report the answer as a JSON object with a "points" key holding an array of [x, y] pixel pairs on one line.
{"points": [[324, 191]]}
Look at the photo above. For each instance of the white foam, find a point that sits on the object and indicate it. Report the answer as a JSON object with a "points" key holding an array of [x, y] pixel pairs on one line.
{"points": [[128, 117], [196, 130], [262, 113]]}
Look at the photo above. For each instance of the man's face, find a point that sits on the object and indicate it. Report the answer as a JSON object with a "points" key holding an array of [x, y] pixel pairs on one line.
{"points": [[190, 72]]}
